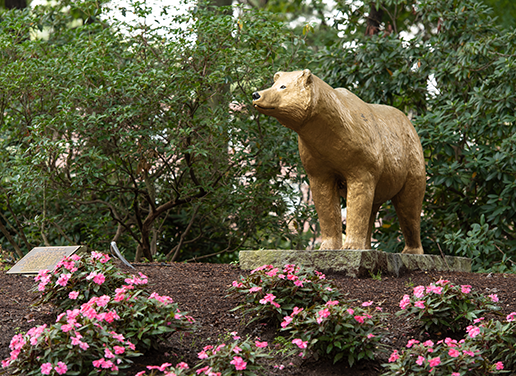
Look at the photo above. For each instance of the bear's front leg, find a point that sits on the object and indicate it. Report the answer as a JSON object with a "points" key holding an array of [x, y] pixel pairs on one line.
{"points": [[359, 204], [326, 198]]}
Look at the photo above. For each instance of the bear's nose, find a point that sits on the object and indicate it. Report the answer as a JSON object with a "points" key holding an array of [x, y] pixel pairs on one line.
{"points": [[256, 96]]}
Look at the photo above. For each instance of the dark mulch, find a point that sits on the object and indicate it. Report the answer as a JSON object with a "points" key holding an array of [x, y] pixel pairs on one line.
{"points": [[200, 289]]}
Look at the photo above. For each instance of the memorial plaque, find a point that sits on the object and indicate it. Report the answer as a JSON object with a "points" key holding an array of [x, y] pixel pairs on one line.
{"points": [[42, 258]]}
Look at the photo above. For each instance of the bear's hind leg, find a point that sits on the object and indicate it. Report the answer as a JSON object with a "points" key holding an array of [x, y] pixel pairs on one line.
{"points": [[408, 203]]}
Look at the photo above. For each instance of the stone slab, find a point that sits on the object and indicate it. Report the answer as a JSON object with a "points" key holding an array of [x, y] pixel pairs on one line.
{"points": [[42, 258], [354, 263]]}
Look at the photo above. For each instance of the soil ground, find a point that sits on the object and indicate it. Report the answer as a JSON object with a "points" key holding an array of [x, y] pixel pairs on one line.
{"points": [[200, 289]]}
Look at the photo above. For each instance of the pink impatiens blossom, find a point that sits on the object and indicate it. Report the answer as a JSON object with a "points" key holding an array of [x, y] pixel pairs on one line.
{"points": [[97, 278], [499, 366], [182, 365], [420, 360], [297, 310], [260, 344], [419, 291], [73, 295], [435, 289], [412, 342], [119, 349], [300, 343], [237, 284], [434, 361], [473, 331], [202, 355], [405, 302], [494, 298], [46, 368], [61, 368], [298, 283], [466, 289], [350, 311], [255, 289], [420, 304], [367, 304], [332, 302], [322, 314], [511, 316], [269, 298], [63, 279], [286, 321], [370, 335], [360, 319], [239, 363], [455, 374], [237, 349], [453, 353], [394, 356]]}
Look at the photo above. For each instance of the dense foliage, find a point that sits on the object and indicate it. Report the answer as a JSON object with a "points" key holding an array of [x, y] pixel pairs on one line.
{"points": [[142, 133]]}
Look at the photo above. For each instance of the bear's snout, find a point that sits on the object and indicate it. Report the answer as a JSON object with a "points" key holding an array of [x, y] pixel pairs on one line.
{"points": [[256, 96]]}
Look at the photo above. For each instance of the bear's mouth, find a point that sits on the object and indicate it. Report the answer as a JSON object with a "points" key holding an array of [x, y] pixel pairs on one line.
{"points": [[264, 108]]}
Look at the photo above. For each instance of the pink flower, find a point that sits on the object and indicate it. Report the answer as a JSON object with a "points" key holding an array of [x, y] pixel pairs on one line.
{"points": [[412, 342], [511, 317], [466, 289], [322, 314], [260, 344], [61, 368], [286, 322], [297, 310], [473, 331], [419, 291], [271, 273], [420, 360], [46, 368], [453, 353], [108, 354], [239, 363], [238, 284], [367, 304], [235, 336], [182, 365], [202, 355], [494, 298], [5, 363], [360, 319], [442, 282], [268, 298], [394, 356], [332, 302], [119, 349], [299, 342], [298, 283], [468, 352], [84, 346], [405, 302], [434, 361], [499, 366], [350, 311], [420, 304], [73, 295], [63, 279], [237, 349], [255, 289], [141, 373], [455, 374], [428, 343], [98, 278], [370, 335]]}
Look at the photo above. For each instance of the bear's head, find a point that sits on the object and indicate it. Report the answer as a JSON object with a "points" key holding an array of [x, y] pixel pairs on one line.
{"points": [[289, 100]]}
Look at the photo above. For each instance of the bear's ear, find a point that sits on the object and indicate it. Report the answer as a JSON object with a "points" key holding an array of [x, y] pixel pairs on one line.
{"points": [[306, 77], [277, 76]]}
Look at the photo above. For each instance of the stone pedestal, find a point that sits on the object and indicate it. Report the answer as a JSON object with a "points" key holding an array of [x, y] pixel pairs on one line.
{"points": [[354, 263]]}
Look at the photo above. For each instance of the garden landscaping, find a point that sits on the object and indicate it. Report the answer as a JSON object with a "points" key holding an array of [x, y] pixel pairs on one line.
{"points": [[201, 291]]}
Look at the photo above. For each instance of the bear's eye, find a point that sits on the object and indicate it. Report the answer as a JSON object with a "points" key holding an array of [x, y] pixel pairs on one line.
{"points": [[283, 87]]}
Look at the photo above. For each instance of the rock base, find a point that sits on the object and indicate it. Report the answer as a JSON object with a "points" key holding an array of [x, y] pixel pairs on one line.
{"points": [[354, 263]]}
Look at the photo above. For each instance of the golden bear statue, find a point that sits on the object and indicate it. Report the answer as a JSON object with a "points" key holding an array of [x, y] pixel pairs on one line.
{"points": [[367, 153]]}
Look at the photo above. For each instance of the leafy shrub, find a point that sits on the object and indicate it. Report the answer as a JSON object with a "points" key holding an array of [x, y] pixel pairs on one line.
{"points": [[447, 357], [76, 279], [443, 307], [233, 356], [270, 294], [496, 339], [142, 317], [80, 341], [337, 330]]}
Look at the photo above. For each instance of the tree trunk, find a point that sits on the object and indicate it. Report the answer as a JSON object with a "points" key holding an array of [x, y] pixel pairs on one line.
{"points": [[374, 20], [15, 4]]}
